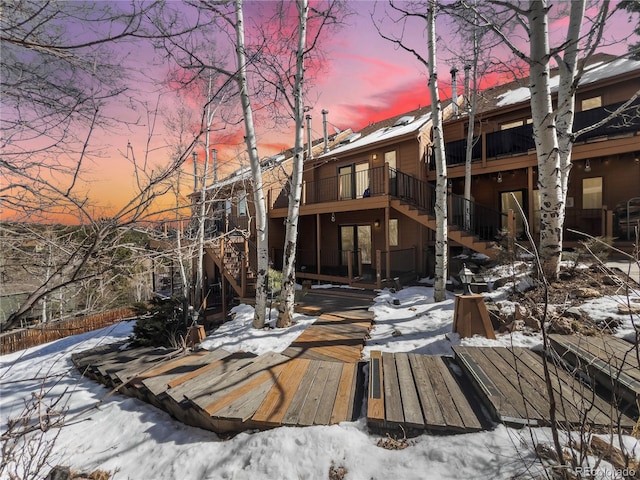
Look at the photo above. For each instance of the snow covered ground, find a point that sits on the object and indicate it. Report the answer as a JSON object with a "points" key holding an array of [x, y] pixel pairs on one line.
{"points": [[136, 441]]}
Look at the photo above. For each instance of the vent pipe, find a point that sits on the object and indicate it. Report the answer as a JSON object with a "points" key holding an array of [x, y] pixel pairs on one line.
{"points": [[454, 91], [309, 150], [324, 130]]}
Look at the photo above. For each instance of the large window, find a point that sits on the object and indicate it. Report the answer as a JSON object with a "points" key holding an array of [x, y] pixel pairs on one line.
{"points": [[592, 192]]}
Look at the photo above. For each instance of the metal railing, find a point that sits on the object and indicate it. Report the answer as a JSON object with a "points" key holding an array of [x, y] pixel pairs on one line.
{"points": [[475, 219]]}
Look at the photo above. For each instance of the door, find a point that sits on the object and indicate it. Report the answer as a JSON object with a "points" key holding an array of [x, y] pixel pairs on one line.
{"points": [[513, 201], [345, 182], [354, 240]]}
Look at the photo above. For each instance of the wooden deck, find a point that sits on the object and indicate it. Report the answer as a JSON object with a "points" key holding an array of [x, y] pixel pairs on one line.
{"points": [[318, 380], [612, 362], [413, 392], [511, 381], [335, 337], [225, 392]]}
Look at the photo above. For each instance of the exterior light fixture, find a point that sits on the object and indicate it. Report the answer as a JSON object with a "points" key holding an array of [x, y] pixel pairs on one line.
{"points": [[466, 277], [499, 177], [376, 223], [587, 166], [333, 217]]}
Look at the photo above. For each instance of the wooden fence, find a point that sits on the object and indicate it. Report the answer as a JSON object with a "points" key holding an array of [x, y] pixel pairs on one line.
{"points": [[28, 337]]}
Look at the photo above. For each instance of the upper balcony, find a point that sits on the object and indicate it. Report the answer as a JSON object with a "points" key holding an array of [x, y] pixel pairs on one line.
{"points": [[519, 140]]}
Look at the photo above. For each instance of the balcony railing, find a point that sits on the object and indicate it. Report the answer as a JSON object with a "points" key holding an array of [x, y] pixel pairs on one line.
{"points": [[359, 184], [519, 140], [483, 222]]}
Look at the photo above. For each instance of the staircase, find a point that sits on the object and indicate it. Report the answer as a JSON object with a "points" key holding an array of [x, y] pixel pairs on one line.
{"points": [[231, 255], [416, 199]]}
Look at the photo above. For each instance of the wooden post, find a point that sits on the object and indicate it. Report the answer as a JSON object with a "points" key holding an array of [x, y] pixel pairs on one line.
{"points": [[484, 149], [385, 178], [530, 198], [470, 317], [223, 289], [378, 269], [609, 223], [318, 242], [511, 229], [387, 243]]}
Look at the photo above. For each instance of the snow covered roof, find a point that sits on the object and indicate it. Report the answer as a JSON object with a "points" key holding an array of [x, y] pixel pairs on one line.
{"points": [[593, 73], [402, 126]]}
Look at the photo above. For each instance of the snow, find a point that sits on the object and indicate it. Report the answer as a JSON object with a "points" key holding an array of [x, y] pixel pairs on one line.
{"points": [[593, 73], [382, 134], [138, 441]]}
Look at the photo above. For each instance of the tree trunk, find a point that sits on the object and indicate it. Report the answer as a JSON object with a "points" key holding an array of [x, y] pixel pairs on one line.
{"points": [[295, 185], [551, 129], [256, 174], [439, 293]]}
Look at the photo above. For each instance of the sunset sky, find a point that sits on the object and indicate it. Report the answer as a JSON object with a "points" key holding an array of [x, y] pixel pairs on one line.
{"points": [[363, 79]]}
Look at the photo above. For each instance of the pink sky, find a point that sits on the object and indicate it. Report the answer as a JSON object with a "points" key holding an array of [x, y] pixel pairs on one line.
{"points": [[364, 79]]}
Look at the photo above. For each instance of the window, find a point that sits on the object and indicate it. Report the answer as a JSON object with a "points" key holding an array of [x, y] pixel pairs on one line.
{"points": [[593, 102], [592, 192], [508, 125], [242, 203], [393, 232]]}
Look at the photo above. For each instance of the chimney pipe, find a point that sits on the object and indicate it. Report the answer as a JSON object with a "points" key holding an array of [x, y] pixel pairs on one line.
{"points": [[467, 87], [214, 153], [309, 150], [324, 130], [454, 91]]}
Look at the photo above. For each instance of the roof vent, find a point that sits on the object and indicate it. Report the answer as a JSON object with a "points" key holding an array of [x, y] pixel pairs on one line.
{"points": [[406, 120], [351, 138]]}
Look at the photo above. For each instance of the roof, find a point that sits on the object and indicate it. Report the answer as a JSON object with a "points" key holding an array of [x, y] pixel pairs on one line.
{"points": [[269, 163], [600, 67], [385, 130]]}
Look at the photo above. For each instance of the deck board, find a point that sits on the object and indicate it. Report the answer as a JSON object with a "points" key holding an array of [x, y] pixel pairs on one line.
{"points": [[415, 393], [431, 410], [297, 402], [329, 394], [611, 361], [508, 375], [392, 400], [276, 403], [408, 392], [161, 382]]}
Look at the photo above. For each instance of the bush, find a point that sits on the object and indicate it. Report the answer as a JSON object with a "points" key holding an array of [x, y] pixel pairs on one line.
{"points": [[162, 324]]}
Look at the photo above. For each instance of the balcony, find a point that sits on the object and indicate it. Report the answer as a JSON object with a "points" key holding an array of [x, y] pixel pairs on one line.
{"points": [[519, 140], [359, 184]]}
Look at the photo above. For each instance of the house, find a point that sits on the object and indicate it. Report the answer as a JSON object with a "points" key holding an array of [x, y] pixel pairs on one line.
{"points": [[367, 214], [230, 253], [604, 183]]}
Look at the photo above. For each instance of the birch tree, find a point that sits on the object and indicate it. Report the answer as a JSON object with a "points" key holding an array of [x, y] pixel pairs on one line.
{"points": [[552, 126], [297, 106], [416, 11], [58, 85], [295, 185]]}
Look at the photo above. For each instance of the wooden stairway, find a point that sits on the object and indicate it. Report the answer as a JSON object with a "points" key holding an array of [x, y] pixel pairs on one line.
{"points": [[230, 255], [454, 232]]}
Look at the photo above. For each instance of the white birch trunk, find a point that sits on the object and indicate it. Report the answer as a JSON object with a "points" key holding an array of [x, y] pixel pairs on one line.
{"points": [[295, 185], [200, 288], [439, 293], [552, 130], [256, 174]]}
